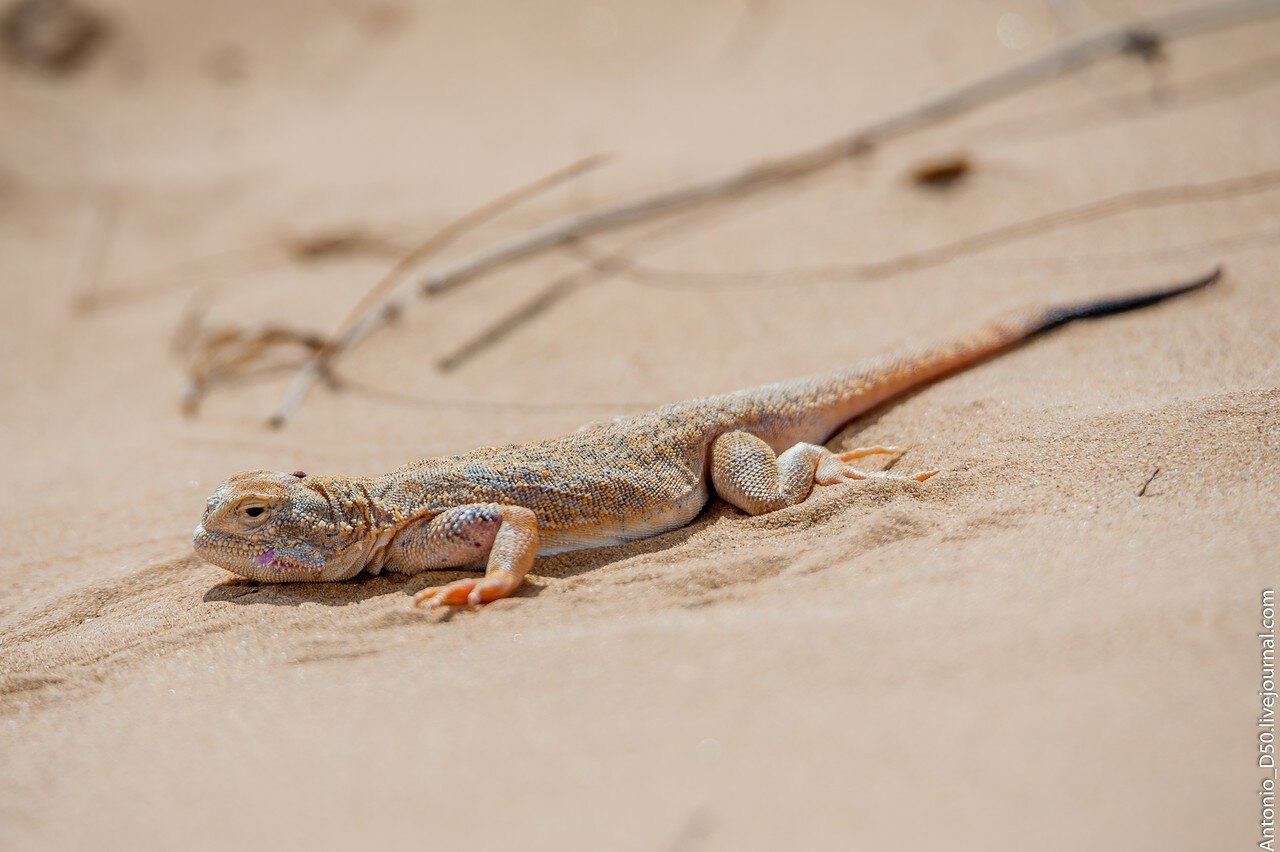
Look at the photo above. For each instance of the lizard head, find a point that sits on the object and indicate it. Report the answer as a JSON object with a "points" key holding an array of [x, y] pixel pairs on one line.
{"points": [[275, 527]]}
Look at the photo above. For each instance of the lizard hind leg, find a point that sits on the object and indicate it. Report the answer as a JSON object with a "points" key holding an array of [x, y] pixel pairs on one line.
{"points": [[747, 474]]}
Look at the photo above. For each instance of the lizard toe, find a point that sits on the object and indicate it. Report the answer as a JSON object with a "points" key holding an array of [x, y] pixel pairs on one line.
{"points": [[468, 592], [455, 593], [491, 589], [863, 452]]}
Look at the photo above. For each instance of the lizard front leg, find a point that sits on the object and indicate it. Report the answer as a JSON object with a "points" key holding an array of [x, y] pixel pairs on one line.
{"points": [[464, 535], [747, 474]]}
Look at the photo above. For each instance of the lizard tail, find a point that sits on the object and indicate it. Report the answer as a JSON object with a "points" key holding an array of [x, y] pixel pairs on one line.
{"points": [[1004, 335], [849, 393]]}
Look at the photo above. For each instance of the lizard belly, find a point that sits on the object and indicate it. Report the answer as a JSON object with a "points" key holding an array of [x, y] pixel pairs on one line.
{"points": [[618, 529]]}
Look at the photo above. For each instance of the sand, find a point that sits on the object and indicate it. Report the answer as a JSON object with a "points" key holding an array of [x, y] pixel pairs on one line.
{"points": [[1024, 653]]}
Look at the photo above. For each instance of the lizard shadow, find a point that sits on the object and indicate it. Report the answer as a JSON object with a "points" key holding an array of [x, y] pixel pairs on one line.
{"points": [[360, 588]]}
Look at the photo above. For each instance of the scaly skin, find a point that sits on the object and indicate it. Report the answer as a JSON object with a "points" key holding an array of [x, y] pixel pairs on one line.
{"points": [[627, 479]]}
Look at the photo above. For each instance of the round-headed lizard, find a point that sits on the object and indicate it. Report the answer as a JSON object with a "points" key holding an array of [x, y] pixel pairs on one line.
{"points": [[498, 508]]}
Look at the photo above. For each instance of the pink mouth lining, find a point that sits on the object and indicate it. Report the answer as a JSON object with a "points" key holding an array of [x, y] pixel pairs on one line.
{"points": [[271, 559]]}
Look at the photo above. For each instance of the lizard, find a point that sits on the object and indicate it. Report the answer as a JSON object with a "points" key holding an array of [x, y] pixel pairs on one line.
{"points": [[498, 508]]}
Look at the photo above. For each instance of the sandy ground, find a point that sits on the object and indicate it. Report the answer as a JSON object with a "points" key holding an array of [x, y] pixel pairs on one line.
{"points": [[1024, 652]]}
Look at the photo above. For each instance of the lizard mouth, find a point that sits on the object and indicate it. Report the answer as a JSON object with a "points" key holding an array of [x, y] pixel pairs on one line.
{"points": [[268, 563], [260, 560], [271, 559]]}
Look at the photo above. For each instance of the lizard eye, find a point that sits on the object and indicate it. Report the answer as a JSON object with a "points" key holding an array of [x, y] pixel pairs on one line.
{"points": [[254, 511]]}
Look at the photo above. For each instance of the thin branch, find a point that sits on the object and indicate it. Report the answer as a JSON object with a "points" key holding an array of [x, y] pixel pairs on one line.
{"points": [[1137, 38], [1234, 81], [1140, 199], [600, 265], [598, 269], [446, 235], [373, 310], [1077, 16], [1142, 492]]}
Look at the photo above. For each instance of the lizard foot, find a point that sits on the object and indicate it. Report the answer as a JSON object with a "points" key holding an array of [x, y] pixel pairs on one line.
{"points": [[471, 591], [834, 467]]}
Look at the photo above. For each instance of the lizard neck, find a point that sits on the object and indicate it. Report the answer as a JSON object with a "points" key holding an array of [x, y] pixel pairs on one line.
{"points": [[362, 516], [354, 501]]}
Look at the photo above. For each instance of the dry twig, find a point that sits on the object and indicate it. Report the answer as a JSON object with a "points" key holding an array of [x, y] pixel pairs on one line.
{"points": [[1142, 492], [1044, 223], [1139, 38], [599, 265], [446, 235], [372, 310], [217, 355]]}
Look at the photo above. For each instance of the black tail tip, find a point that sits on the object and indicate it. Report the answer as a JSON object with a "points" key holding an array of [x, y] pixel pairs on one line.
{"points": [[1061, 316]]}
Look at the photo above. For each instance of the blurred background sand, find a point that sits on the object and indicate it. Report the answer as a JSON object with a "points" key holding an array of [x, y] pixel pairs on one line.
{"points": [[1023, 653]]}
